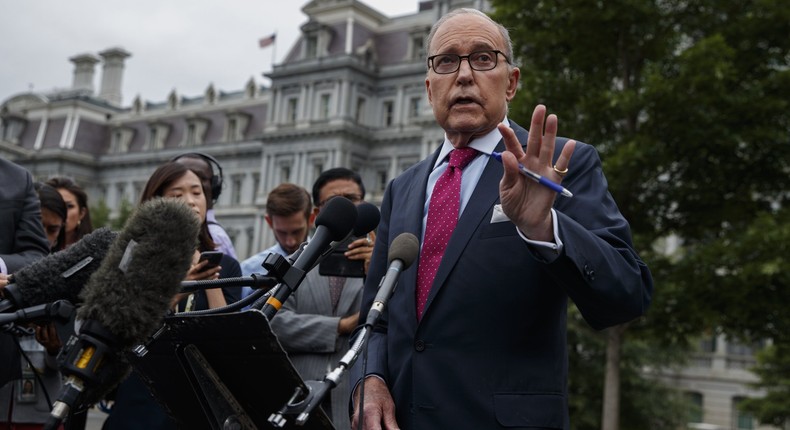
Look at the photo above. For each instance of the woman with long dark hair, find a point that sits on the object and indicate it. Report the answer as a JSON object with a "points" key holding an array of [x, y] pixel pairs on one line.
{"points": [[54, 215], [78, 221], [134, 407]]}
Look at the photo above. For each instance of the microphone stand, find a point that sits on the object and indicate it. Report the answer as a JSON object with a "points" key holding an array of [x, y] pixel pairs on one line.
{"points": [[302, 404], [289, 278], [256, 281]]}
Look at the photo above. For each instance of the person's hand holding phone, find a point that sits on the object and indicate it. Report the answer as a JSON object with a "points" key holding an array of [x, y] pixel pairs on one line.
{"points": [[362, 249], [206, 267]]}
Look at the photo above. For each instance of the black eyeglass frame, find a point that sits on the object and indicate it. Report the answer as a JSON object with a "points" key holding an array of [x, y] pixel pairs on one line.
{"points": [[354, 198], [496, 53]]}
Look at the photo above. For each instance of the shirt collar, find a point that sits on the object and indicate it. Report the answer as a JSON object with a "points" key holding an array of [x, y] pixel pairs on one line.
{"points": [[485, 144]]}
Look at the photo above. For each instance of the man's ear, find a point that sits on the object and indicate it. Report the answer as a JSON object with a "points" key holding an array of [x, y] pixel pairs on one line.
{"points": [[513, 77], [311, 220], [268, 220]]}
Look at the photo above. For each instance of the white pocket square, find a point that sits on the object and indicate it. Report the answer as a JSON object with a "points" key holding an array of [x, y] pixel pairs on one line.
{"points": [[498, 215]]}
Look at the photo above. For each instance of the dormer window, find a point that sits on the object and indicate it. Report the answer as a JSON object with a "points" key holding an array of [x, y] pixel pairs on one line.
{"points": [[416, 44], [195, 131], [157, 135], [311, 46], [121, 139], [12, 128], [235, 126], [315, 40]]}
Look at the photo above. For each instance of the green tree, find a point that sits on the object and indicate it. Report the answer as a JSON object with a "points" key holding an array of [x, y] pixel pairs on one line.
{"points": [[124, 211], [100, 214], [687, 103], [773, 368]]}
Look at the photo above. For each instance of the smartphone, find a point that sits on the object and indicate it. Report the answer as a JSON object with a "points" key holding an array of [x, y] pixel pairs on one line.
{"points": [[213, 257], [337, 264]]}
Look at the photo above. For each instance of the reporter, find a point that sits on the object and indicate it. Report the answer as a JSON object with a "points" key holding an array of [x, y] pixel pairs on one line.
{"points": [[134, 407]]}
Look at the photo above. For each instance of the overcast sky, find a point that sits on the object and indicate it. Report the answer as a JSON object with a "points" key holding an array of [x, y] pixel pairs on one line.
{"points": [[181, 44]]}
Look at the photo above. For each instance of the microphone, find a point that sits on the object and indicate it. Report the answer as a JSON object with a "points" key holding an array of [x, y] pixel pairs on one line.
{"points": [[333, 223], [402, 253], [59, 311], [368, 217], [58, 276], [126, 300]]}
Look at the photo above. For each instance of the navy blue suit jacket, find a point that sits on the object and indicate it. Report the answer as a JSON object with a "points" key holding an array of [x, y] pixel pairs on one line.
{"points": [[22, 241], [490, 349]]}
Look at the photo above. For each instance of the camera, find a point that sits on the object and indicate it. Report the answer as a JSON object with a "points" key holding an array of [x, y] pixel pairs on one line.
{"points": [[337, 264]]}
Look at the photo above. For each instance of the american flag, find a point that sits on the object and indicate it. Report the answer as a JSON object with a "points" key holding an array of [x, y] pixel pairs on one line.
{"points": [[266, 41]]}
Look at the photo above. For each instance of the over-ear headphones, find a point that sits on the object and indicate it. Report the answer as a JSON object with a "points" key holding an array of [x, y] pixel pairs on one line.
{"points": [[216, 171]]}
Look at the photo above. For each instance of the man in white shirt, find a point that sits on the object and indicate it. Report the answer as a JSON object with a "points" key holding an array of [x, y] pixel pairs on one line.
{"points": [[289, 213]]}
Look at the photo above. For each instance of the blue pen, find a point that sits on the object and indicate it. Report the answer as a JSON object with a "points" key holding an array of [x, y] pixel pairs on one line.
{"points": [[535, 177]]}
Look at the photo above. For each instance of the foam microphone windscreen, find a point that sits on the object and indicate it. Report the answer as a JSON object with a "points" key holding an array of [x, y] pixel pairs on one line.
{"points": [[62, 275], [132, 290], [338, 216], [368, 217], [405, 247]]}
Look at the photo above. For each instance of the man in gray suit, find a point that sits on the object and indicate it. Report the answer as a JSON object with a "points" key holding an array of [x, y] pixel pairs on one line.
{"points": [[314, 323], [22, 241]]}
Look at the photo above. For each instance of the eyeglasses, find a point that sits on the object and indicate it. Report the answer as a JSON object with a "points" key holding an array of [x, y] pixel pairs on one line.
{"points": [[479, 60], [355, 198]]}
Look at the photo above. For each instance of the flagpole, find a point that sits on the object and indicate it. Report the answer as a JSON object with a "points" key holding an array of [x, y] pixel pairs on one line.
{"points": [[274, 48]]}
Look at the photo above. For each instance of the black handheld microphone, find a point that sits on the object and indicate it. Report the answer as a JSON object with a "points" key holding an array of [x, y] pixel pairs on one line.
{"points": [[368, 217], [402, 253], [58, 276], [126, 300], [58, 311], [334, 222]]}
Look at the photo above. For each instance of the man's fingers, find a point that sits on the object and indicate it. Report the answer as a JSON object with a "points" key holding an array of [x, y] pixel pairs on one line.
{"points": [[564, 160], [547, 142], [536, 131], [511, 141]]}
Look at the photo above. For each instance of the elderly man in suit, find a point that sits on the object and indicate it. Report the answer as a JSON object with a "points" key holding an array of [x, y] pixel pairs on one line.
{"points": [[474, 334], [22, 241]]}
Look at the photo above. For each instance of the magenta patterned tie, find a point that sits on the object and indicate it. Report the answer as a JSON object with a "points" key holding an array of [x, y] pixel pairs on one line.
{"points": [[442, 218]]}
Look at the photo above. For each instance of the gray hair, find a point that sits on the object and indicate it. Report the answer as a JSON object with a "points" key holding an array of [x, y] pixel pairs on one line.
{"points": [[468, 11]]}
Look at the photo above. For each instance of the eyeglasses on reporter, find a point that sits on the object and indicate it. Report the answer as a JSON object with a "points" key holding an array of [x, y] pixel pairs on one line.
{"points": [[479, 60], [355, 198]]}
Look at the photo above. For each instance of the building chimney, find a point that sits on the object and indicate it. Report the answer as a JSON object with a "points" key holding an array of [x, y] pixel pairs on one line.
{"points": [[112, 75], [84, 67]]}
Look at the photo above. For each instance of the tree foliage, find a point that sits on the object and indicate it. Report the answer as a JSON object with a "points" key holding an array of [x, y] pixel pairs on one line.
{"points": [[101, 215], [687, 102], [773, 368], [645, 404]]}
